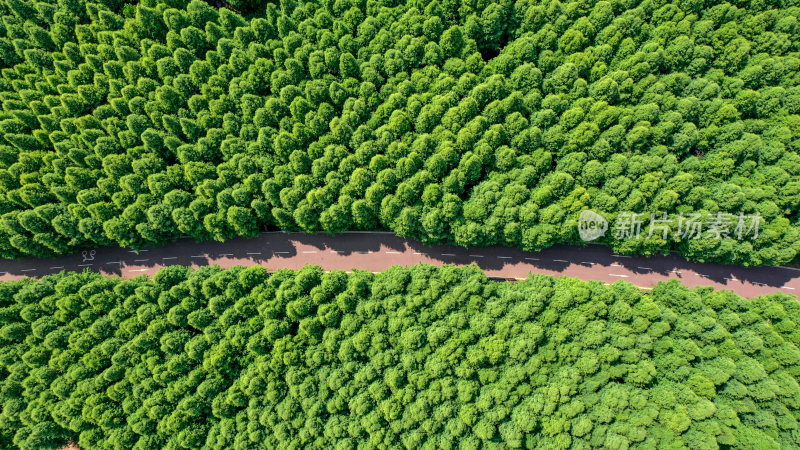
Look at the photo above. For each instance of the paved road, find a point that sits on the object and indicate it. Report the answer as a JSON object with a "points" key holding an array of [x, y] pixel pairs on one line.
{"points": [[378, 251]]}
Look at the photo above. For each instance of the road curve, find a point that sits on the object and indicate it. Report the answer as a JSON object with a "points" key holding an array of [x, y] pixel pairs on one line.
{"points": [[377, 251]]}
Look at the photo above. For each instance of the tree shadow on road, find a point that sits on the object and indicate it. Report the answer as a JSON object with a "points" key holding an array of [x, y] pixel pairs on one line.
{"points": [[270, 248]]}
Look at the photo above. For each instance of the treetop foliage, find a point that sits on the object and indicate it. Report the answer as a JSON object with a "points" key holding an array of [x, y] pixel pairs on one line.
{"points": [[472, 122], [409, 358]]}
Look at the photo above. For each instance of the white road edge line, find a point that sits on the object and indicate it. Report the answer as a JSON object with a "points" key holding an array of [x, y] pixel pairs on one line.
{"points": [[253, 253], [644, 268], [533, 259], [27, 270], [392, 253], [621, 256], [504, 257], [787, 287], [587, 262], [448, 254], [140, 260], [84, 265], [169, 257], [115, 262], [54, 267], [617, 275], [198, 256], [476, 256], [560, 260]]}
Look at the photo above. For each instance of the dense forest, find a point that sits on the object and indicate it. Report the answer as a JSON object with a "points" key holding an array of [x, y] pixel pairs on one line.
{"points": [[472, 122], [420, 357]]}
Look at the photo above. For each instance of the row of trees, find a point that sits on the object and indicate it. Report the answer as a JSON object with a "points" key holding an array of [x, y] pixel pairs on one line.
{"points": [[411, 357], [468, 123]]}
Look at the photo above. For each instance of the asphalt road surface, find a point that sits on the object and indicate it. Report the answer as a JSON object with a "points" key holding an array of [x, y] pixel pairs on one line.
{"points": [[378, 251]]}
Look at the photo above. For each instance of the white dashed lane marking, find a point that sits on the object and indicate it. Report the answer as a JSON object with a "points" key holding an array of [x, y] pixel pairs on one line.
{"points": [[392, 252]]}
